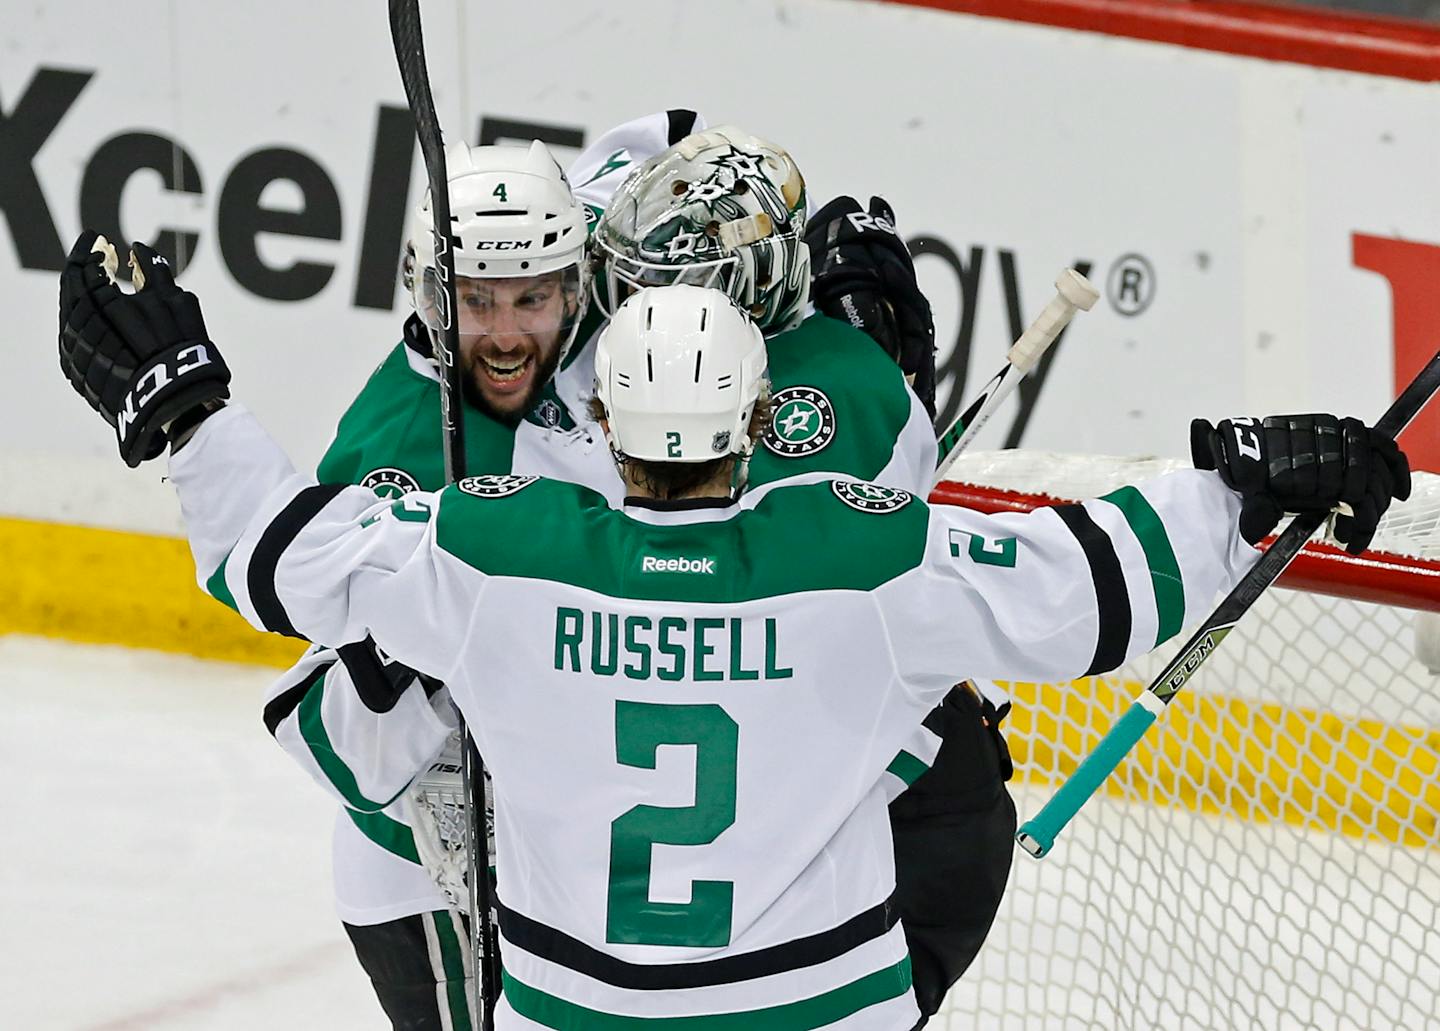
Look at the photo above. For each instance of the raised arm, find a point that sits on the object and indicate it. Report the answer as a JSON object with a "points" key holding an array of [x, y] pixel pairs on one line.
{"points": [[1076, 590], [325, 563]]}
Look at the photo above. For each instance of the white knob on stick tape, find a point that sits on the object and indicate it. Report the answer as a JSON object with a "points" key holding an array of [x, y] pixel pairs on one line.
{"points": [[1073, 292]]}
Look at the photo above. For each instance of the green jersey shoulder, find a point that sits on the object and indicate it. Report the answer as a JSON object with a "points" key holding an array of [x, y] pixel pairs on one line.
{"points": [[839, 404], [390, 438], [782, 542]]}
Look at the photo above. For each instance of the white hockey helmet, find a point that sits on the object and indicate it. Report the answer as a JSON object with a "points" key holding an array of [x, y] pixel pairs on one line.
{"points": [[679, 370], [512, 216], [721, 208]]}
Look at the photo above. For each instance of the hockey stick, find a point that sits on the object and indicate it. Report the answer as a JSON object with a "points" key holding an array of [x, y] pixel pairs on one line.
{"points": [[1073, 293], [410, 55], [1037, 835]]}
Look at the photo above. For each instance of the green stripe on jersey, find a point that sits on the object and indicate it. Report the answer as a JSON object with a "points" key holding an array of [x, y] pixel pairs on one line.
{"points": [[797, 539], [801, 1015], [391, 835], [312, 729], [452, 959], [1165, 578], [907, 767], [218, 589]]}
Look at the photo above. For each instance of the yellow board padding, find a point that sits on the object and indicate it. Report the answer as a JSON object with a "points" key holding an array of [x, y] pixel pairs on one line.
{"points": [[1219, 755], [110, 587], [1246, 760]]}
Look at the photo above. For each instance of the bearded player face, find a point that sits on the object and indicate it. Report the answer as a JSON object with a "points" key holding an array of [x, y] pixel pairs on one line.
{"points": [[510, 336]]}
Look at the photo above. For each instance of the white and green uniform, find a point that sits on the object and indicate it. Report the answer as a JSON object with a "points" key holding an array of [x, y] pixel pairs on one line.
{"points": [[687, 756], [850, 413], [841, 407]]}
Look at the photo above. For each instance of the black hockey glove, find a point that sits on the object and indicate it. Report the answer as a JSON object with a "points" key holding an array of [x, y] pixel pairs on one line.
{"points": [[142, 359], [864, 275], [1304, 463]]}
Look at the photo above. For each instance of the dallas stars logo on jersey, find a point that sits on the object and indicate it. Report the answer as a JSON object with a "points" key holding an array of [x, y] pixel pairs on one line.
{"points": [[867, 497], [495, 486], [803, 422], [389, 482]]}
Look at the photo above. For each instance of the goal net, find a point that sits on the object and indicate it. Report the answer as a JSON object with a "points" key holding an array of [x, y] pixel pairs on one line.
{"points": [[1268, 857]]}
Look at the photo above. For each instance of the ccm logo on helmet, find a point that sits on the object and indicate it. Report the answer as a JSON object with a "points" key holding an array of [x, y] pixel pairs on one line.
{"points": [[651, 564], [503, 245]]}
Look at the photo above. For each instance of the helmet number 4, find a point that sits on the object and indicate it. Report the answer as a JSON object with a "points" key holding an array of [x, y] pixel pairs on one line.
{"points": [[499, 191], [672, 445]]}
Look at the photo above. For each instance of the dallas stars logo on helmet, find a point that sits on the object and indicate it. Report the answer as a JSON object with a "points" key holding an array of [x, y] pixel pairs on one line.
{"points": [[495, 486], [389, 482], [867, 497], [803, 422]]}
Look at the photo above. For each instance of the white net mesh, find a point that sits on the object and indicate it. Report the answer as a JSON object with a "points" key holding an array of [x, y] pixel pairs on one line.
{"points": [[1268, 857]]}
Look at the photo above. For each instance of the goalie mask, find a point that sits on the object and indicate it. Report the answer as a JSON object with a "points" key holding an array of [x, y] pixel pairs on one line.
{"points": [[679, 370], [719, 209], [519, 245]]}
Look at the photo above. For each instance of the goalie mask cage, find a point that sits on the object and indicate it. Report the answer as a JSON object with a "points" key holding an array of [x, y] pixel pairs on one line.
{"points": [[1268, 857]]}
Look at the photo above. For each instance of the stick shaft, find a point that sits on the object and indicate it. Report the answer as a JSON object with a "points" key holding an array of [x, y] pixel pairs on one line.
{"points": [[410, 55], [1037, 835], [1023, 356]]}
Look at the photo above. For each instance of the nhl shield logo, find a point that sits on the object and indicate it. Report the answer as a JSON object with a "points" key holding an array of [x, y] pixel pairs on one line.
{"points": [[720, 443], [495, 486], [548, 412], [868, 497], [802, 423], [389, 482]]}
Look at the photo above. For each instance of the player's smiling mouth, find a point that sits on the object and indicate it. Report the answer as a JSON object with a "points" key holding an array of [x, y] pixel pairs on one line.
{"points": [[506, 372]]}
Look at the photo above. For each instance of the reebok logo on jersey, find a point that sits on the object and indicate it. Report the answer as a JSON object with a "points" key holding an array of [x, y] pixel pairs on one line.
{"points": [[651, 564]]}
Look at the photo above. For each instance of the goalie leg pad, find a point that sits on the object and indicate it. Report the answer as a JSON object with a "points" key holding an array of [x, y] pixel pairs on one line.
{"points": [[418, 966]]}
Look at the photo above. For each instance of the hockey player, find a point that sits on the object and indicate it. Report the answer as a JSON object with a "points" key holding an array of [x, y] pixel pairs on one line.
{"points": [[788, 640], [677, 219], [363, 726]]}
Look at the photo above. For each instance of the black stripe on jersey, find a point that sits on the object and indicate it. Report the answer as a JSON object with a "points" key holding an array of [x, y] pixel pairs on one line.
{"points": [[287, 701], [558, 947], [1112, 600], [260, 577], [378, 681], [681, 124]]}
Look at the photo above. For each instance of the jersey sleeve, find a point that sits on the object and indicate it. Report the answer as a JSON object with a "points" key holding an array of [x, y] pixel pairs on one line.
{"points": [[1068, 591], [360, 725], [912, 460], [324, 563], [603, 165]]}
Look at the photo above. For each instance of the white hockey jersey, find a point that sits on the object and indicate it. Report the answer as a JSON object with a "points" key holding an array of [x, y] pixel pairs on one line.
{"points": [[687, 710], [866, 424]]}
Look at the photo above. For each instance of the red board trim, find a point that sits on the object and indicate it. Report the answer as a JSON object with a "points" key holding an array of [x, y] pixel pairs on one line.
{"points": [[1376, 577], [1394, 47]]}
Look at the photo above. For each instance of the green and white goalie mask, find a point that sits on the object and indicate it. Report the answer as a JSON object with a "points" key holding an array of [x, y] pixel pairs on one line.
{"points": [[679, 370], [719, 209], [519, 246]]}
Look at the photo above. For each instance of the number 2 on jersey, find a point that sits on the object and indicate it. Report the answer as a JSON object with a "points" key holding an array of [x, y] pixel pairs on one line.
{"points": [[631, 918]]}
